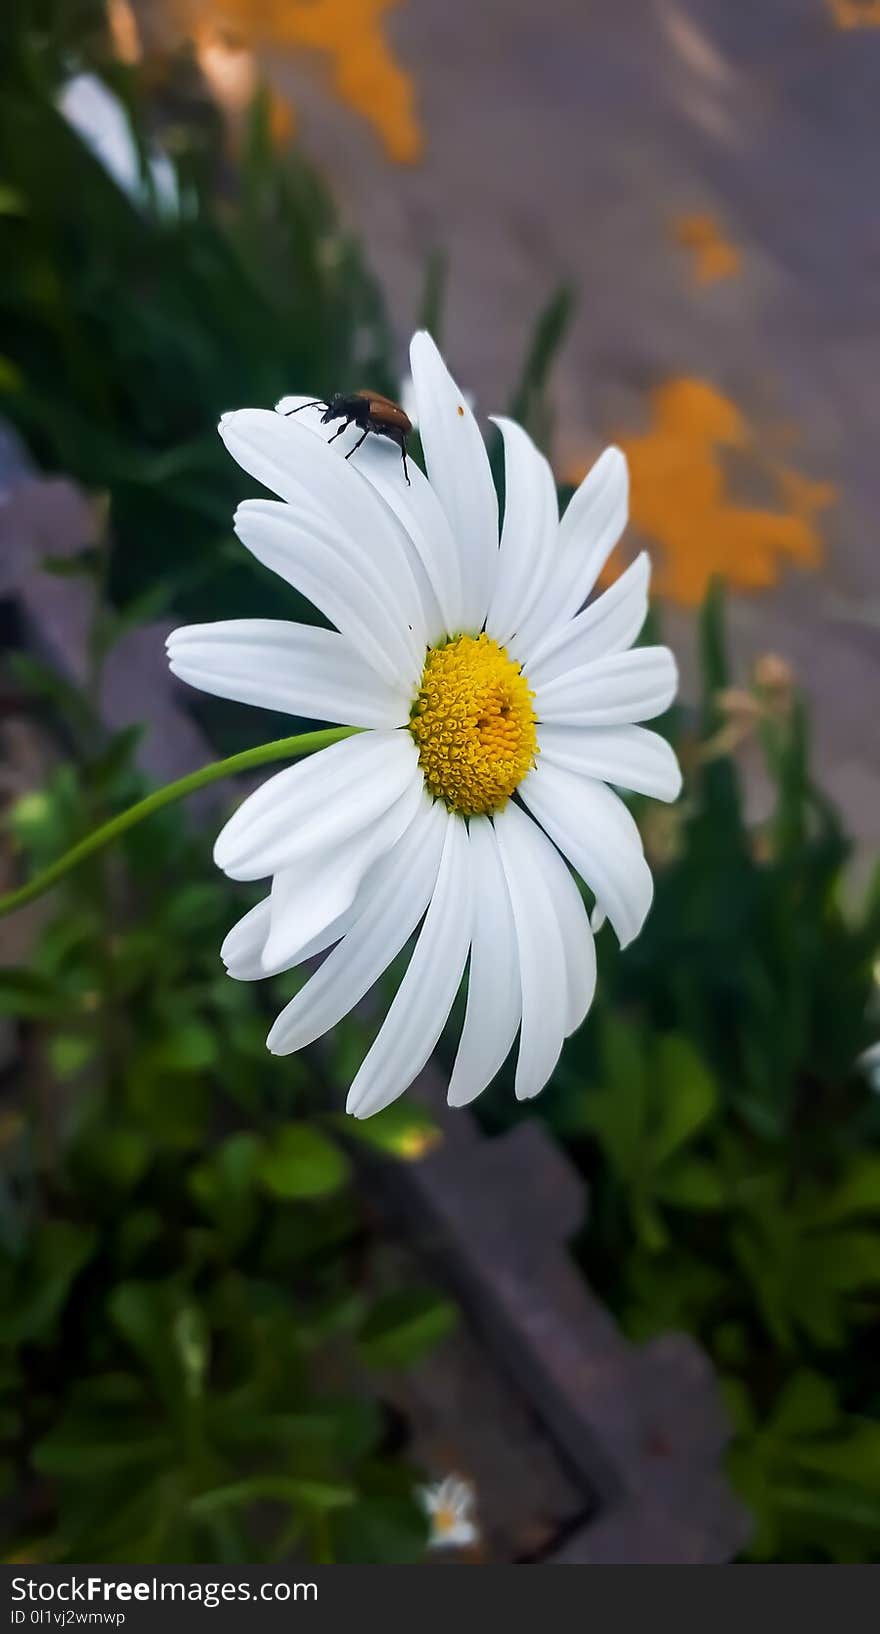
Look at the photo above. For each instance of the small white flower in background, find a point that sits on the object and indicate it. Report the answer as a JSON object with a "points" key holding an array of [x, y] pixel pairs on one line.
{"points": [[478, 676], [102, 124], [449, 1506]]}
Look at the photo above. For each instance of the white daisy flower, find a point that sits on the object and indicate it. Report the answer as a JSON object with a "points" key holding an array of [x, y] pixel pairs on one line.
{"points": [[449, 1505], [101, 121], [496, 711]]}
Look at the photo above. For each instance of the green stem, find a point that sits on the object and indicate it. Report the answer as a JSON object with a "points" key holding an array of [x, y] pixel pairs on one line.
{"points": [[281, 749]]}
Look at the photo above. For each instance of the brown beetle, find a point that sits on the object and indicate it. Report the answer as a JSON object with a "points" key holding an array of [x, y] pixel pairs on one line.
{"points": [[369, 411]]}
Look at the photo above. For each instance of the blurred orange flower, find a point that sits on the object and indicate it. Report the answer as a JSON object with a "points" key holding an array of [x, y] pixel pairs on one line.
{"points": [[855, 13], [713, 258], [681, 497], [365, 73]]}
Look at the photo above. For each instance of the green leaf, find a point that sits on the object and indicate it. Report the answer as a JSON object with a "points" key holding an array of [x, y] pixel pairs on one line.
{"points": [[147, 1315], [857, 1193], [60, 1252], [191, 1047], [691, 1183], [808, 1404], [853, 1455], [192, 1343], [119, 1157], [687, 1094], [551, 326], [70, 1052], [28, 994], [404, 1325], [433, 299], [228, 1177], [86, 1452], [379, 1531], [301, 1162], [615, 1108], [320, 1495]]}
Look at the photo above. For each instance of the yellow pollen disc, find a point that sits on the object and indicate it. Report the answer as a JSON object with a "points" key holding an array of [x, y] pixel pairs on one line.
{"points": [[474, 724]]}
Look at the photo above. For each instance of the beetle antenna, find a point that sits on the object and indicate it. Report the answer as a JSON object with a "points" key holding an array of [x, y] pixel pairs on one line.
{"points": [[317, 402]]}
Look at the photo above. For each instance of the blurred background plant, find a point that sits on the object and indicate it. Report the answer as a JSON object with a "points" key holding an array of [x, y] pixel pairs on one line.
{"points": [[190, 1313], [717, 1105], [189, 1299]]}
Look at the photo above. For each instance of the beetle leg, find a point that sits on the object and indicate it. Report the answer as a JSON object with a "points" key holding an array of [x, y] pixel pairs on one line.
{"points": [[344, 427], [362, 437], [405, 471]]}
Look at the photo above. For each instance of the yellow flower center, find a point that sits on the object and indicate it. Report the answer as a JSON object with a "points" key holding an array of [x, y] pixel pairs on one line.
{"points": [[474, 724]]}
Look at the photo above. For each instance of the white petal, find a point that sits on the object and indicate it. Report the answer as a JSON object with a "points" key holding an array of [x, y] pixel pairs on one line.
{"points": [[243, 949], [408, 874], [316, 804], [311, 554], [543, 979], [589, 530], [615, 691], [630, 757], [243, 945], [576, 936], [310, 896], [301, 469], [494, 1003], [295, 668], [458, 467], [424, 999], [421, 514], [610, 624], [416, 507], [528, 535], [592, 826]]}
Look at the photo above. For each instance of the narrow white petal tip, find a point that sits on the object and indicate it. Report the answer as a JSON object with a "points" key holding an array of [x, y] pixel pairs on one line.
{"points": [[529, 1094], [613, 455], [673, 678], [231, 420], [597, 919], [223, 857], [459, 1097]]}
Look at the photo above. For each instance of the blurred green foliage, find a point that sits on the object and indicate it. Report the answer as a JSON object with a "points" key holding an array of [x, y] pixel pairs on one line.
{"points": [[187, 1299], [186, 1302], [183, 1286], [127, 333], [731, 1144]]}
